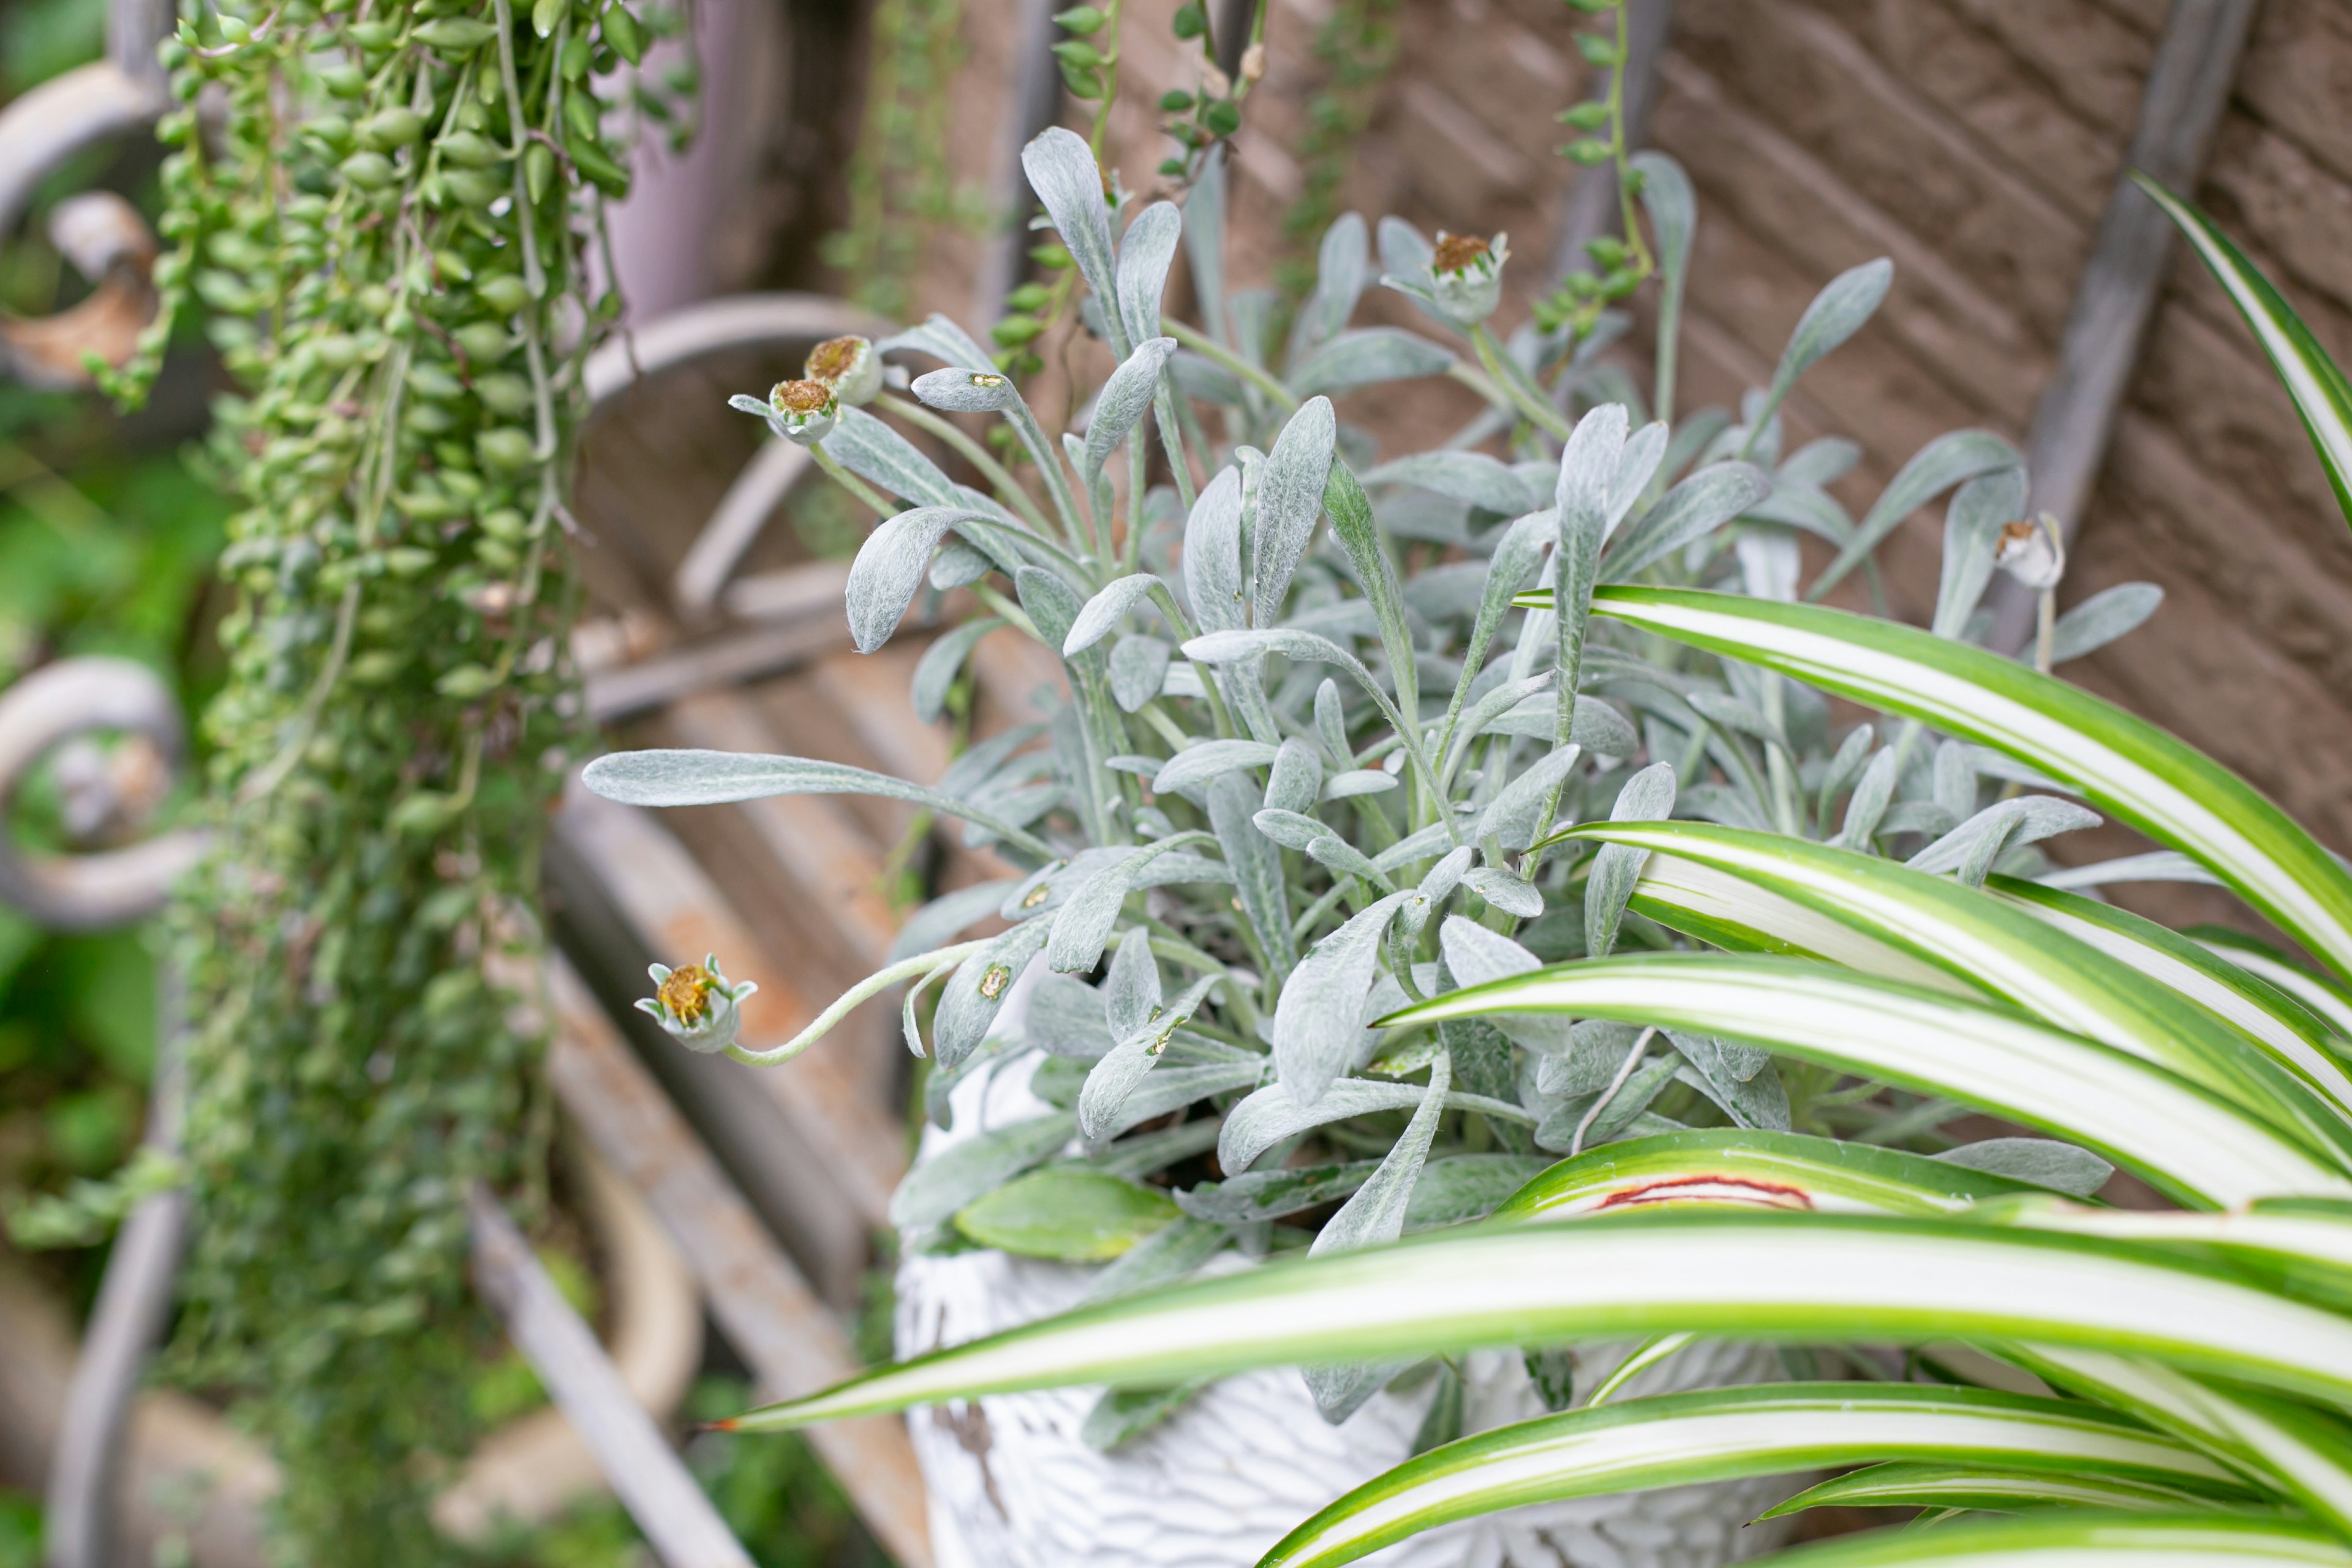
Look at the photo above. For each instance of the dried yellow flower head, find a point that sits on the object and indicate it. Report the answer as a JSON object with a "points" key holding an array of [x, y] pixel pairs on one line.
{"points": [[1457, 252], [687, 992], [802, 398], [849, 366]]}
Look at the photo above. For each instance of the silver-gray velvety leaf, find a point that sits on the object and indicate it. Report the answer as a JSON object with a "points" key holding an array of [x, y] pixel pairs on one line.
{"points": [[1114, 1079], [1212, 553], [1131, 990], [1257, 1195], [1713, 1068], [889, 571], [1205, 240], [1289, 500], [1403, 249], [975, 992], [1506, 892], [1196, 765], [1366, 357], [1376, 1213], [1868, 807], [1692, 510], [958, 565], [1476, 955], [1315, 1021], [2040, 1161], [1139, 665], [1852, 755], [1145, 252], [1972, 525], [1647, 796], [1291, 829], [1359, 781], [1949, 460], [1470, 477], [1954, 776], [1644, 451], [1084, 924], [1124, 398], [1340, 269], [943, 340], [1296, 778], [1103, 613], [1344, 857], [693, 777], [2026, 819], [1168, 1089], [875, 452], [1588, 471], [1466, 1187], [1067, 1018], [1597, 727], [960, 391], [1331, 724], [1438, 884], [945, 1182], [1512, 818], [1063, 171], [2102, 619], [1257, 867], [1837, 312], [1819, 463]]}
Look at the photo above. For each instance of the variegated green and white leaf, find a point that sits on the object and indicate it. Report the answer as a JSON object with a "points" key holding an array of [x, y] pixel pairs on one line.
{"points": [[1964, 1485], [2121, 763], [1771, 1169], [2081, 1539], [2001, 949], [1716, 1435], [2322, 394], [1806, 1276], [2276, 1022], [2188, 1140]]}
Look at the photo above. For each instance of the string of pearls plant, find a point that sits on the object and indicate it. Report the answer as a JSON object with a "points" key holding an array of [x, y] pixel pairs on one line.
{"points": [[389, 225]]}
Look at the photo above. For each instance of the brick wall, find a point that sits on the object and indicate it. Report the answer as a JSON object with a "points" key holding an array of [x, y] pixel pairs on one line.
{"points": [[1974, 142]]}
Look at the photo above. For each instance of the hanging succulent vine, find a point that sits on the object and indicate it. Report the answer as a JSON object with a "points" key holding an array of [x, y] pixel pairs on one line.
{"points": [[389, 229], [1357, 47], [900, 187]]}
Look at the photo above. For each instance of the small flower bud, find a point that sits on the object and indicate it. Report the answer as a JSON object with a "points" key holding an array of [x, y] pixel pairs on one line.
{"points": [[849, 366], [1466, 276], [1214, 83], [695, 1005], [1253, 62], [2031, 552], [802, 410]]}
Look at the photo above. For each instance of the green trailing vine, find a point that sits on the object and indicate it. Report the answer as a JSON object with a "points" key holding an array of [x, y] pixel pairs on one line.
{"points": [[390, 232], [1625, 265], [900, 188], [1357, 47]]}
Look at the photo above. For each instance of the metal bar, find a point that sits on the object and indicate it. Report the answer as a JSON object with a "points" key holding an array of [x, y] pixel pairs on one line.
{"points": [[1592, 204], [2180, 112], [134, 1300], [735, 524], [792, 1344], [652, 1482]]}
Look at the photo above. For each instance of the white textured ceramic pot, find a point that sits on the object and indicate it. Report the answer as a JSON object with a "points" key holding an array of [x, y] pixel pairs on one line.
{"points": [[1249, 1457]]}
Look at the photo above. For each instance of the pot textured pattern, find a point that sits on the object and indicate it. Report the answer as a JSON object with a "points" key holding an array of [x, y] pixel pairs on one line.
{"points": [[1249, 1457]]}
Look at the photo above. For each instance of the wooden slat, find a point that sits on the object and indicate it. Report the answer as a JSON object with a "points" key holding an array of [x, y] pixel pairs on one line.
{"points": [[792, 1344], [852, 1150], [652, 1482], [2188, 88]]}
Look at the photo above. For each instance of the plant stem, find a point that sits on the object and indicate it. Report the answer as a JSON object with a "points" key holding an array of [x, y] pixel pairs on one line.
{"points": [[880, 979], [852, 483], [1535, 410], [1217, 353], [1000, 478]]}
